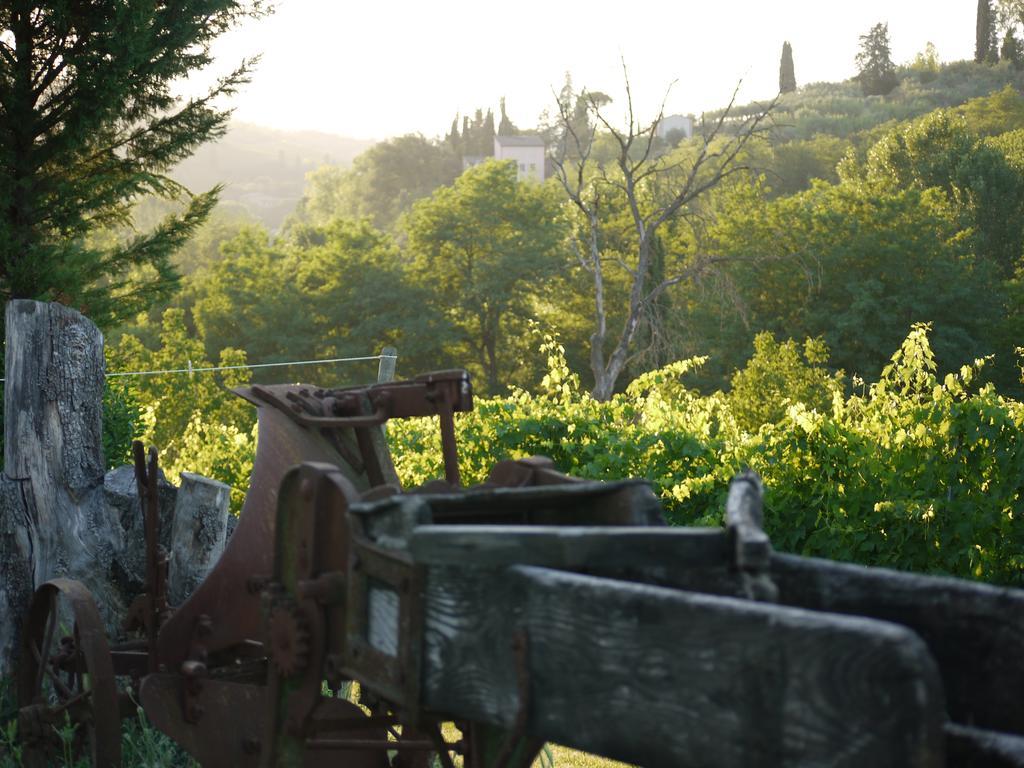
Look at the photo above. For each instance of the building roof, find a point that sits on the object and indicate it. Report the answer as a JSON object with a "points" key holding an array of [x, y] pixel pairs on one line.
{"points": [[520, 141]]}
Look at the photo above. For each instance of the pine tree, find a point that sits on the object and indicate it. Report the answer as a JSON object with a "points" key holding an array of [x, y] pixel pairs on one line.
{"points": [[787, 76], [984, 34], [89, 125], [505, 126], [876, 72]]}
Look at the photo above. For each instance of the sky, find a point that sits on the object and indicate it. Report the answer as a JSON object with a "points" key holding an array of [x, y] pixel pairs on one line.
{"points": [[389, 67]]}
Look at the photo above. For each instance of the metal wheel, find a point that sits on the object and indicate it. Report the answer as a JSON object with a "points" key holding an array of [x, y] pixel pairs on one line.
{"points": [[67, 692]]}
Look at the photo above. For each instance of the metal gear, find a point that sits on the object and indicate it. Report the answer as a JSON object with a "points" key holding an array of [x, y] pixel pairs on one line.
{"points": [[289, 638]]}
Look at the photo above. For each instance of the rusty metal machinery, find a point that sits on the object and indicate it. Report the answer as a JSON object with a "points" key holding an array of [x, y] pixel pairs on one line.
{"points": [[481, 622]]}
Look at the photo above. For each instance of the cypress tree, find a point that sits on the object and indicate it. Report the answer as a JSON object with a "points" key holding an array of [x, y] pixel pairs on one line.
{"points": [[787, 76], [984, 33], [505, 126], [89, 125], [1011, 51], [487, 135]]}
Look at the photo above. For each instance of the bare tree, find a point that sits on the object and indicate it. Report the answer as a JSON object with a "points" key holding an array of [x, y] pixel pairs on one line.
{"points": [[657, 188]]}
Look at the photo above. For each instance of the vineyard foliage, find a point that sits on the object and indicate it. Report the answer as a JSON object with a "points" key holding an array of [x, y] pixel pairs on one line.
{"points": [[916, 471], [919, 470]]}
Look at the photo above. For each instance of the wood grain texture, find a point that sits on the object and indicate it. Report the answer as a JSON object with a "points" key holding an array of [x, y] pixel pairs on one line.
{"points": [[607, 549], [694, 559], [60, 515], [625, 502], [974, 631], [661, 677], [54, 515], [975, 748], [198, 533]]}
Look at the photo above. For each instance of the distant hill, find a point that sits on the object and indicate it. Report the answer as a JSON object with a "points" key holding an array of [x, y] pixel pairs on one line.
{"points": [[264, 169], [841, 110]]}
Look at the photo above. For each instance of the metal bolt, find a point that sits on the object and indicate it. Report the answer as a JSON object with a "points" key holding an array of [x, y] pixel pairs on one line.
{"points": [[251, 746]]}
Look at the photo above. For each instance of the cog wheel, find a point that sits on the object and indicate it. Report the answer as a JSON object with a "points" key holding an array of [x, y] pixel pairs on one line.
{"points": [[289, 638]]}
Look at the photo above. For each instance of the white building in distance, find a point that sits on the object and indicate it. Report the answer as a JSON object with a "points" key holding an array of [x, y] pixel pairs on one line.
{"points": [[527, 152], [680, 125]]}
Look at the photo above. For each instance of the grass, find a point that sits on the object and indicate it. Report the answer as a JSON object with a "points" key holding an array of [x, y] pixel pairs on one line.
{"points": [[564, 757], [143, 746]]}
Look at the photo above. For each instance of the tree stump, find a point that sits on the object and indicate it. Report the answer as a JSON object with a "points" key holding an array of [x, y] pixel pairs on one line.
{"points": [[198, 535], [60, 513]]}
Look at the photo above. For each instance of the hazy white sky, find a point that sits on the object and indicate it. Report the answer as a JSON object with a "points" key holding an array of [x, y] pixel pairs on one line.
{"points": [[384, 68]]}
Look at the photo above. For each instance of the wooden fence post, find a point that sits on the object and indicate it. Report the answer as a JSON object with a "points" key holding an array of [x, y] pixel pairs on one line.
{"points": [[388, 361]]}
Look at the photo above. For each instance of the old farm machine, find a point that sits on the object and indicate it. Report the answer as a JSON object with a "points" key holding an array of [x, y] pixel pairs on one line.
{"points": [[481, 622]]}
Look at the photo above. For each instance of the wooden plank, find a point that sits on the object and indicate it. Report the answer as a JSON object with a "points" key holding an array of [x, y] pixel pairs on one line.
{"points": [[744, 519], [606, 550], [661, 677], [975, 748], [694, 559], [974, 631], [625, 502]]}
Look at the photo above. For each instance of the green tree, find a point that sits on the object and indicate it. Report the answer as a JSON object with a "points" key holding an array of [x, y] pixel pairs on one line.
{"points": [[987, 194], [337, 291], [926, 64], [875, 70], [90, 125], [985, 32], [232, 307], [996, 113], [486, 245], [1011, 50], [780, 375], [382, 183], [357, 297], [787, 76], [795, 163], [857, 265], [506, 126], [487, 136], [170, 401]]}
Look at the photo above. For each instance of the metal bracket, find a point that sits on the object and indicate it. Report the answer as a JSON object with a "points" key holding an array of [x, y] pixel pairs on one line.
{"points": [[384, 624], [520, 652]]}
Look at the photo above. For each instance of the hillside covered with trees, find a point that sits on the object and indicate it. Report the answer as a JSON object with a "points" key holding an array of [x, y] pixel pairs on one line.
{"points": [[826, 287], [839, 219]]}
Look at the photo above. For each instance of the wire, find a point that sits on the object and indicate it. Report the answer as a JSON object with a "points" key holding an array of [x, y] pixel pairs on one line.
{"points": [[190, 370]]}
